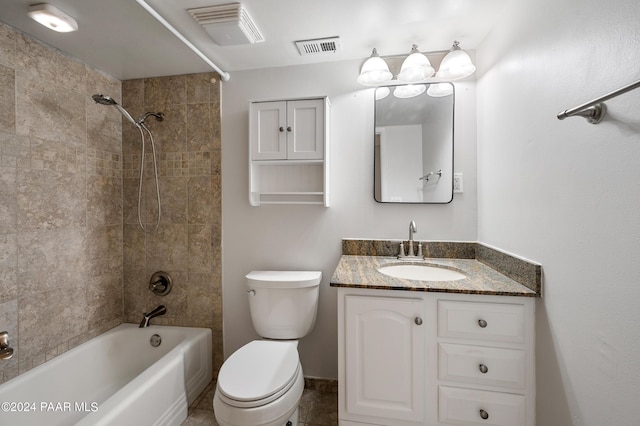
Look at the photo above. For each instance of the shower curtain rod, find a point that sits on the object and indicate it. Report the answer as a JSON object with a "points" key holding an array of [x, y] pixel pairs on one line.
{"points": [[223, 74], [595, 110]]}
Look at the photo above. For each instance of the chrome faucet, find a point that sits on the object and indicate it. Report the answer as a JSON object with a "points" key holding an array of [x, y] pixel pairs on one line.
{"points": [[412, 230], [160, 310]]}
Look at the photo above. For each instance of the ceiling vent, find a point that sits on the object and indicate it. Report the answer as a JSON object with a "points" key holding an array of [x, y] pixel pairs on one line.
{"points": [[319, 46], [227, 24]]}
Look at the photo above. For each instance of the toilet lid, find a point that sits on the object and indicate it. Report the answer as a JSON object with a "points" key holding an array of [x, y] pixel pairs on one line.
{"points": [[258, 370]]}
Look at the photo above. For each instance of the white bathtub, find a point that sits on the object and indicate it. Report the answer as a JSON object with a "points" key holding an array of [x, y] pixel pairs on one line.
{"points": [[117, 378]]}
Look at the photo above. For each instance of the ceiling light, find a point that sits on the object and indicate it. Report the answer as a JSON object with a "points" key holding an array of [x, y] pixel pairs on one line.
{"points": [[456, 64], [416, 67], [52, 18], [409, 91], [374, 71]]}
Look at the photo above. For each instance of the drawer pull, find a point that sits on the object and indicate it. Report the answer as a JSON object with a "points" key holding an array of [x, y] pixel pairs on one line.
{"points": [[482, 323], [483, 368], [484, 415], [289, 129], [418, 321]]}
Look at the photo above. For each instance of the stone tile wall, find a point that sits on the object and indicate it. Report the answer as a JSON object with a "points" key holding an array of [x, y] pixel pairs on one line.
{"points": [[60, 202], [187, 244], [73, 260]]}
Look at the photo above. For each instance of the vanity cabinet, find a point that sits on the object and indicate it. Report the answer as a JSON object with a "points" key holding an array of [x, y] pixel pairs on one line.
{"points": [[288, 151], [468, 360]]}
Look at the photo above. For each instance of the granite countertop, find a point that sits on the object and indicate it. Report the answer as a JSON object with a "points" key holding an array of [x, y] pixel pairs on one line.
{"points": [[360, 271]]}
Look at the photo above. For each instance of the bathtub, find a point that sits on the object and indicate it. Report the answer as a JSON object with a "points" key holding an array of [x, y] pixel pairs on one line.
{"points": [[117, 378]]}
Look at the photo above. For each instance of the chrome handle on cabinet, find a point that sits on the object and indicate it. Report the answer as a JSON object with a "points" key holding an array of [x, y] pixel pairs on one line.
{"points": [[483, 368], [289, 129], [484, 415], [418, 321], [482, 323]]}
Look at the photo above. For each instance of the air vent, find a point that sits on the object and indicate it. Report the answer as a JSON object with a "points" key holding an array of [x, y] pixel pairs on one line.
{"points": [[227, 24], [319, 46]]}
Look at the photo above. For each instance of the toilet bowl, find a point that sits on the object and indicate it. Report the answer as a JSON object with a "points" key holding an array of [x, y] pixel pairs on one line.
{"points": [[261, 383]]}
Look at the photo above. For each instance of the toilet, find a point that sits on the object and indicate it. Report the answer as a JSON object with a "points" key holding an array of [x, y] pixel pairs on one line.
{"points": [[261, 383]]}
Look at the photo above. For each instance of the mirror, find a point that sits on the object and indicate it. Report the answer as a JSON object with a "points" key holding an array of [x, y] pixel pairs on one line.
{"points": [[413, 152]]}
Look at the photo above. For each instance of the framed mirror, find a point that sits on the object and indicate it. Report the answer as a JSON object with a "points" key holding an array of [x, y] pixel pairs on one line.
{"points": [[413, 137]]}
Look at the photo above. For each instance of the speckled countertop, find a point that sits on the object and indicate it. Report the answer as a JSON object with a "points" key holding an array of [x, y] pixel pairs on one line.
{"points": [[360, 271]]}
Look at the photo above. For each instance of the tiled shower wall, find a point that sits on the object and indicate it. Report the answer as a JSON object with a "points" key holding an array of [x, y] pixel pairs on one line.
{"points": [[73, 261], [60, 203], [187, 244]]}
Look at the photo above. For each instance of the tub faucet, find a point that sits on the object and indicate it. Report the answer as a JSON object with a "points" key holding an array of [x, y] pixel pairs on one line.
{"points": [[160, 310]]}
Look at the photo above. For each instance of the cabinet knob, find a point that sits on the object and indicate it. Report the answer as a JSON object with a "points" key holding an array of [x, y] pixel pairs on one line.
{"points": [[281, 129], [482, 323], [418, 321], [483, 368], [289, 129], [484, 415]]}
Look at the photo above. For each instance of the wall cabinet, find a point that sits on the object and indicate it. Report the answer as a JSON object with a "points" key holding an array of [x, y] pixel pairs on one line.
{"points": [[411, 358], [288, 151]]}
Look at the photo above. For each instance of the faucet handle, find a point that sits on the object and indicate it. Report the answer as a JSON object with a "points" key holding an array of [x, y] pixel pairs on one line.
{"points": [[401, 254]]}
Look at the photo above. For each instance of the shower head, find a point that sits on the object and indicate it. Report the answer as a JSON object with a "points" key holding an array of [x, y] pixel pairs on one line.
{"points": [[103, 100], [107, 100]]}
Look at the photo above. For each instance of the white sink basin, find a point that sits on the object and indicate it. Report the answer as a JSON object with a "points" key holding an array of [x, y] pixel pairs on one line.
{"points": [[421, 272]]}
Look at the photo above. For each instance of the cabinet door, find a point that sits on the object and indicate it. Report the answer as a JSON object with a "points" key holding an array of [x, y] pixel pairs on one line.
{"points": [[305, 129], [385, 357], [267, 129]]}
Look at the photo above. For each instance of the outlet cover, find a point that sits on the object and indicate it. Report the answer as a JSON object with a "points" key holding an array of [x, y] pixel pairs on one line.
{"points": [[458, 185]]}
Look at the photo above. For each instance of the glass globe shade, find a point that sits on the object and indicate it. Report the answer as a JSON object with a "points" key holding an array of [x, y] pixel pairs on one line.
{"points": [[374, 71], [416, 67], [456, 65], [409, 91], [438, 90]]}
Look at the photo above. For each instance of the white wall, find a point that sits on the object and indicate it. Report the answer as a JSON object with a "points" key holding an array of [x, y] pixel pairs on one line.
{"points": [[309, 237], [567, 193]]}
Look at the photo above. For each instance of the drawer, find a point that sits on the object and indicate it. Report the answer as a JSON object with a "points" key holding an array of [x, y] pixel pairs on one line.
{"points": [[482, 365], [458, 406], [489, 322]]}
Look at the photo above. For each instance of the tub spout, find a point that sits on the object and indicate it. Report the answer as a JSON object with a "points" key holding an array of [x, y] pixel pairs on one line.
{"points": [[5, 351], [160, 310]]}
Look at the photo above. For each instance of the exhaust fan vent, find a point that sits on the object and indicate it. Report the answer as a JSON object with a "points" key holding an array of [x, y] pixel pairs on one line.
{"points": [[319, 46], [227, 24]]}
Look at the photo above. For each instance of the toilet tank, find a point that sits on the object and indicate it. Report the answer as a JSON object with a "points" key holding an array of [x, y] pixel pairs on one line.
{"points": [[283, 304]]}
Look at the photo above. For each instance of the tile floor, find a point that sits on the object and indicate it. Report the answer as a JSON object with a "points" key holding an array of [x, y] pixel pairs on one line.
{"points": [[318, 406]]}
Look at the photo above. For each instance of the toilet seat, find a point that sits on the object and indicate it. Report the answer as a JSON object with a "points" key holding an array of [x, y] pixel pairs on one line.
{"points": [[258, 373]]}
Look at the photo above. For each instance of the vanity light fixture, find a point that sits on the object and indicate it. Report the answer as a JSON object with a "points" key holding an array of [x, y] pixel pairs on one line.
{"points": [[416, 67], [52, 18], [374, 71]]}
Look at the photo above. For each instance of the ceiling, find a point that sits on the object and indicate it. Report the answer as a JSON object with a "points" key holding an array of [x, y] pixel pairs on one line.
{"points": [[122, 39]]}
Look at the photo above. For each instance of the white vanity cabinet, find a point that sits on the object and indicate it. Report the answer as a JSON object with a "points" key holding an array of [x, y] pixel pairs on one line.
{"points": [[468, 360], [288, 151]]}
